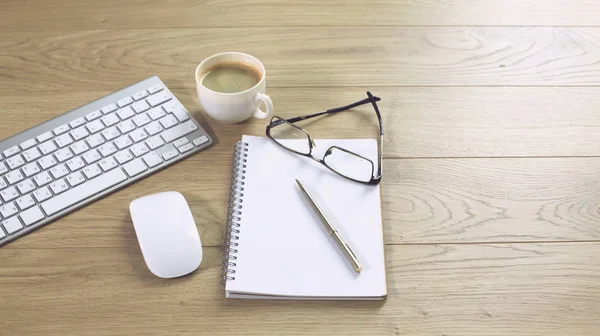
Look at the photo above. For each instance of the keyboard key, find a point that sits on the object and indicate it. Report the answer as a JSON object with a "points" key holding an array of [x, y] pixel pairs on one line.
{"points": [[9, 194], [59, 171], [95, 140], [122, 157], [139, 149], [47, 147], [25, 202], [63, 140], [75, 163], [79, 147], [59, 186], [44, 137], [156, 113], [61, 129], [141, 119], [15, 162], [185, 148], [107, 149], [95, 126], [3, 183], [3, 168], [126, 126], [110, 133], [200, 141], [75, 179], [91, 156], [107, 164], [109, 108], [169, 107], [11, 151], [47, 162], [170, 154], [14, 177], [42, 194], [180, 142], [140, 95], [153, 128], [93, 115], [155, 142], [126, 113], [91, 171], [26, 186], [138, 135], [125, 101], [83, 191], [2, 234], [28, 144], [110, 119], [178, 131], [158, 98], [31, 169], [123, 142], [8, 209], [63, 154], [140, 106], [32, 154], [134, 167], [168, 121], [77, 122], [155, 88], [42, 178], [12, 225], [180, 113], [79, 133], [152, 159], [31, 216]]}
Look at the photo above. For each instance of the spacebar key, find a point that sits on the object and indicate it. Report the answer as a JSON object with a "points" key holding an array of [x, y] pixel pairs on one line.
{"points": [[83, 191]]}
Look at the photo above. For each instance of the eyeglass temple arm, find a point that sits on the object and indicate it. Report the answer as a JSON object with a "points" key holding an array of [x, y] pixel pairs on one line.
{"points": [[373, 101], [330, 111]]}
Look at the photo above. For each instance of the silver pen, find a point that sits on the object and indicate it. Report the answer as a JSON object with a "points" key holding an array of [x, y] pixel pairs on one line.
{"points": [[342, 245]]}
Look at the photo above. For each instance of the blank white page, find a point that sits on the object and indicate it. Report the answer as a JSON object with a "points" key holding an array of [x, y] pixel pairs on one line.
{"points": [[284, 250]]}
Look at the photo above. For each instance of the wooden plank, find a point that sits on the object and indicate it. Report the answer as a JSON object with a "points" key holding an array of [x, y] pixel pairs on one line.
{"points": [[301, 57], [424, 201], [525, 289], [499, 200], [112, 14], [418, 122]]}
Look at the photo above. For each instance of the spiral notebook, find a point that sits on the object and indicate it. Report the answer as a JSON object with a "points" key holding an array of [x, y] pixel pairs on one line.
{"points": [[275, 246]]}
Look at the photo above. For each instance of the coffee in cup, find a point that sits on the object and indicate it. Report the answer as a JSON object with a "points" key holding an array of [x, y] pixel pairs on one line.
{"points": [[231, 87], [231, 77]]}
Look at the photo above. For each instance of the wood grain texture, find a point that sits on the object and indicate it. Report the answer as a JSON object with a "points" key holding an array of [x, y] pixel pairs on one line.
{"points": [[418, 122], [492, 157], [113, 14], [525, 289], [301, 57]]}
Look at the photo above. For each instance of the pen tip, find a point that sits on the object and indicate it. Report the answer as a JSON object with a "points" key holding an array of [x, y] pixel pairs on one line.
{"points": [[298, 182]]}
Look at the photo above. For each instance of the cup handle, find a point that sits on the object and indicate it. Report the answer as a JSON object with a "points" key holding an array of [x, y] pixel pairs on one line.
{"points": [[260, 114]]}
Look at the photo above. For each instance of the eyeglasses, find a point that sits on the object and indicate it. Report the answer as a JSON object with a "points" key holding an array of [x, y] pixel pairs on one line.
{"points": [[342, 161]]}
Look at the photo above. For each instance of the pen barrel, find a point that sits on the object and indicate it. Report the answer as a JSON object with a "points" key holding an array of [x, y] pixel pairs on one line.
{"points": [[356, 266]]}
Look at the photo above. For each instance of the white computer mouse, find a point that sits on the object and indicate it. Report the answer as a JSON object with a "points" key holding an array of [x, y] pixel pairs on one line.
{"points": [[167, 234]]}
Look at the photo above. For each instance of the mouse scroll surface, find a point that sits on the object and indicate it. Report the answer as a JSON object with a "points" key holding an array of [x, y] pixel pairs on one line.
{"points": [[167, 234]]}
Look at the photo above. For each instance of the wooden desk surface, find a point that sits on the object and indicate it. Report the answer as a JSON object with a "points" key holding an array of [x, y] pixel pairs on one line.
{"points": [[491, 186]]}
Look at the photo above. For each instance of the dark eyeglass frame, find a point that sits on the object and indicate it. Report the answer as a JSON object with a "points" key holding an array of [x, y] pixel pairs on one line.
{"points": [[375, 178]]}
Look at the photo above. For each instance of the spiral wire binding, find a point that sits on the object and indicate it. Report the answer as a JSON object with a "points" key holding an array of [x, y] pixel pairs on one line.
{"points": [[234, 211]]}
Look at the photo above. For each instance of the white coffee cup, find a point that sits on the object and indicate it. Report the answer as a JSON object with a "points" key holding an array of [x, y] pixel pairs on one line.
{"points": [[238, 106]]}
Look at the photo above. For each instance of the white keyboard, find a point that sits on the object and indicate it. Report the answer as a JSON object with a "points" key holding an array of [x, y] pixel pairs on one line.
{"points": [[67, 162]]}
